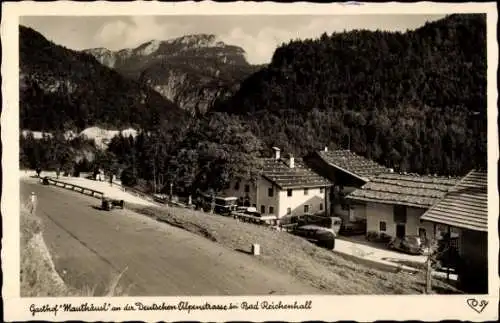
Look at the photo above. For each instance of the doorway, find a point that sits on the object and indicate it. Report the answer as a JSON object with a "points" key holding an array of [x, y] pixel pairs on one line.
{"points": [[400, 230]]}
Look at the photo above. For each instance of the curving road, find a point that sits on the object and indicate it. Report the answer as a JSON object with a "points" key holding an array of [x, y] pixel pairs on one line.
{"points": [[90, 247]]}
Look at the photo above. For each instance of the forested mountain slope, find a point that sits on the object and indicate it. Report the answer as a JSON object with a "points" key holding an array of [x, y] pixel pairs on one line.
{"points": [[60, 87], [415, 101]]}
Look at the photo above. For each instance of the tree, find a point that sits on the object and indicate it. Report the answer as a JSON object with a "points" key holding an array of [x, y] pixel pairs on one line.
{"points": [[128, 177], [439, 251], [217, 149]]}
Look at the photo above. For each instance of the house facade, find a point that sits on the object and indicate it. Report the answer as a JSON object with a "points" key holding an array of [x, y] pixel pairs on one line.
{"points": [[465, 209], [347, 171], [286, 187], [394, 203]]}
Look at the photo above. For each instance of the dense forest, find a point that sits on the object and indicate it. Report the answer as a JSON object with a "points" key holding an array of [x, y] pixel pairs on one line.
{"points": [[65, 89], [414, 101], [56, 151], [204, 154]]}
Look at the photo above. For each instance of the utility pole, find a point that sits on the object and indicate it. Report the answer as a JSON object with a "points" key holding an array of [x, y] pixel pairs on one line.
{"points": [[154, 164], [154, 176], [348, 140], [428, 275], [449, 255]]}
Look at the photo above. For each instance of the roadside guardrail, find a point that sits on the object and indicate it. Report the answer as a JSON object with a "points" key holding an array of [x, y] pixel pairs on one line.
{"points": [[73, 187]]}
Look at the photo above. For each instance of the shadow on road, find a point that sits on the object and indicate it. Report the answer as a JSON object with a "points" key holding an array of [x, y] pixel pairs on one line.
{"points": [[95, 207], [243, 251]]}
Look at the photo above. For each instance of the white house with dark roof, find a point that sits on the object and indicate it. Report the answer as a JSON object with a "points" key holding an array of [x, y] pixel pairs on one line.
{"points": [[286, 187], [347, 171], [394, 203]]}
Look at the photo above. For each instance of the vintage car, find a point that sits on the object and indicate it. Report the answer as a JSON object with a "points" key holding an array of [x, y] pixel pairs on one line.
{"points": [[350, 228], [221, 205], [328, 222], [408, 244], [107, 204], [323, 237]]}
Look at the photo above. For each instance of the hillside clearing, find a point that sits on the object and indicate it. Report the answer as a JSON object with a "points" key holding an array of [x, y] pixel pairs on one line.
{"points": [[318, 267]]}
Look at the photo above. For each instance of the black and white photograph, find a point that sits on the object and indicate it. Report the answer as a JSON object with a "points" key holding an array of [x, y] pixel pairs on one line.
{"points": [[256, 162]]}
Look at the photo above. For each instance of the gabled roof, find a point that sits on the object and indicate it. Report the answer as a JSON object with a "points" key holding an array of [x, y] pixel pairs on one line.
{"points": [[353, 164], [465, 206], [278, 172], [410, 189]]}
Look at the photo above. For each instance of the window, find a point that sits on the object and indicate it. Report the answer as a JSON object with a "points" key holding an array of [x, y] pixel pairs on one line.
{"points": [[306, 208], [289, 192], [271, 210], [382, 226], [289, 211], [321, 206], [306, 191], [270, 192], [399, 213], [263, 209], [247, 188], [422, 233], [321, 190], [237, 186]]}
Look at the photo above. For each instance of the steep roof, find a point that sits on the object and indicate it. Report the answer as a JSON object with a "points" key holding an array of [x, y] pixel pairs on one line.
{"points": [[300, 176], [352, 163], [410, 189], [465, 206]]}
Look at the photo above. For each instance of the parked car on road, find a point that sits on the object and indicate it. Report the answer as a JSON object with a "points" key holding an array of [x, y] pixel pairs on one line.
{"points": [[220, 204], [353, 227], [323, 237], [408, 244], [107, 204]]}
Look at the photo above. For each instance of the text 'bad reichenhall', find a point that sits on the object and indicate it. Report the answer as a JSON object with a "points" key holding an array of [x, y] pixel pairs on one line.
{"points": [[181, 306]]}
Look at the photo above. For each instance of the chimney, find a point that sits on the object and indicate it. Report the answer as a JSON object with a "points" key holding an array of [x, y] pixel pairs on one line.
{"points": [[326, 148], [291, 161], [276, 153]]}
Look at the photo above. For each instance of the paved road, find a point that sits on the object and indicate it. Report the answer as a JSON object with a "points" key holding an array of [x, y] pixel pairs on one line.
{"points": [[90, 246]]}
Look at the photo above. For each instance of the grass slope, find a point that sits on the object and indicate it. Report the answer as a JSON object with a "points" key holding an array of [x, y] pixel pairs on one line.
{"points": [[321, 268], [38, 275]]}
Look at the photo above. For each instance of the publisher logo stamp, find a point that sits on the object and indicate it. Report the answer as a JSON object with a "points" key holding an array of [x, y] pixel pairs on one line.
{"points": [[476, 305]]}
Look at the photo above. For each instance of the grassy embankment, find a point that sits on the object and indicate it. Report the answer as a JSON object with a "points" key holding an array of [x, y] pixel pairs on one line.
{"points": [[38, 275], [326, 270]]}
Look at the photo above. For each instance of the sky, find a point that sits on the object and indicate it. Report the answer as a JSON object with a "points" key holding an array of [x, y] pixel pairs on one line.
{"points": [[257, 35]]}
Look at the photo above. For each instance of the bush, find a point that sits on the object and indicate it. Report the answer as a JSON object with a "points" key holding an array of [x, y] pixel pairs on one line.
{"points": [[384, 237], [128, 178], [372, 236]]}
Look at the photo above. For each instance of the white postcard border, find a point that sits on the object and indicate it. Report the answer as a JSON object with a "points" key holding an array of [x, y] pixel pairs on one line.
{"points": [[328, 308]]}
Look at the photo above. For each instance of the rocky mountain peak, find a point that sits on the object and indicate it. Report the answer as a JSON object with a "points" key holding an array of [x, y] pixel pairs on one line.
{"points": [[198, 41], [148, 48]]}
